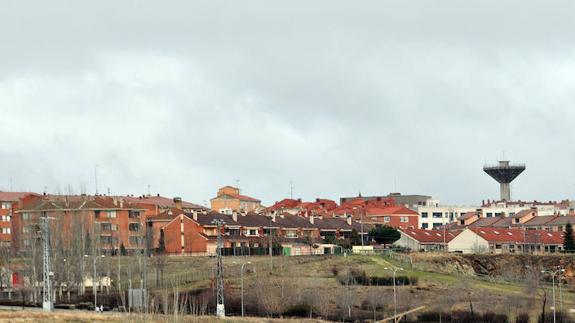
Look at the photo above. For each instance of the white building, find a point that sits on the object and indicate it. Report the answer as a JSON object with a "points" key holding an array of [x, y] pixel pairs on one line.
{"points": [[434, 216]]}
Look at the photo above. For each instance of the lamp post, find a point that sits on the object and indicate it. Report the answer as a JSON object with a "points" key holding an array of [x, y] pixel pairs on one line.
{"points": [[394, 270], [94, 278], [554, 273], [242, 283]]}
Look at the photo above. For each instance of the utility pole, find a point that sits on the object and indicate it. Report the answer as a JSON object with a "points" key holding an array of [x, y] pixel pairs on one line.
{"points": [[47, 303], [220, 308], [271, 250]]}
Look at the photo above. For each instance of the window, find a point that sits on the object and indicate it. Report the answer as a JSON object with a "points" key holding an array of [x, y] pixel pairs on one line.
{"points": [[291, 234], [437, 215], [436, 225], [114, 227], [106, 226], [424, 226], [97, 214], [134, 227], [386, 219], [489, 214], [5, 230], [106, 239], [112, 214], [25, 216], [404, 219], [424, 215], [6, 205], [133, 214], [5, 218]]}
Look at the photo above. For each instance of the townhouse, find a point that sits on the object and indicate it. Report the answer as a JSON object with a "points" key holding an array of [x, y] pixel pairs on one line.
{"points": [[502, 240], [196, 233], [426, 240]]}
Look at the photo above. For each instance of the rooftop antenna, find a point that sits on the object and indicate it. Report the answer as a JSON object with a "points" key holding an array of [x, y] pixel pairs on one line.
{"points": [[220, 308], [149, 187], [291, 189], [96, 177], [11, 188], [238, 184], [109, 191]]}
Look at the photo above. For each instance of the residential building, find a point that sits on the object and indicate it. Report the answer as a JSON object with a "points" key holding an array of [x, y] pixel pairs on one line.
{"points": [[156, 204], [503, 240], [409, 201], [229, 200], [106, 221], [9, 204], [425, 240]]}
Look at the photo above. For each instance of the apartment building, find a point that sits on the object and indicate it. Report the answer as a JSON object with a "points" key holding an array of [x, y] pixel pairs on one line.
{"points": [[229, 200], [108, 222], [9, 204]]}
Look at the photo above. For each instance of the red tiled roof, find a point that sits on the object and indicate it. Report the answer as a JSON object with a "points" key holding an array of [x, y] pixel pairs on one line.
{"points": [[500, 234], [160, 201], [242, 197], [431, 236], [468, 215], [391, 210], [13, 196]]}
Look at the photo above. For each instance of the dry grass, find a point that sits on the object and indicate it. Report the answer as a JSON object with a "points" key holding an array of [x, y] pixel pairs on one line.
{"points": [[78, 316]]}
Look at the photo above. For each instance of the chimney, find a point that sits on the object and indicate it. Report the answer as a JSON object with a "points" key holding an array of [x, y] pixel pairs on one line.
{"points": [[178, 202], [121, 203], [273, 218], [348, 220], [311, 220], [235, 216]]}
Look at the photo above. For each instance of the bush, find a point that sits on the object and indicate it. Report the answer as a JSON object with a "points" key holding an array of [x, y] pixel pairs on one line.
{"points": [[495, 318], [434, 317], [356, 277], [299, 310], [562, 317], [522, 318]]}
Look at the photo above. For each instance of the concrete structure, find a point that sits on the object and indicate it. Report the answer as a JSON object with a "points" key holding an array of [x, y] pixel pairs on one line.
{"points": [[504, 174], [229, 200]]}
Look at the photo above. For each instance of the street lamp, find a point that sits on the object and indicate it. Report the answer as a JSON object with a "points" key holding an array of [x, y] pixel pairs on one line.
{"points": [[394, 270], [242, 283], [554, 273], [94, 289]]}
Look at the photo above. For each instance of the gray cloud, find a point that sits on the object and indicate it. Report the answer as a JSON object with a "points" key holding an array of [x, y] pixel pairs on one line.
{"points": [[187, 96]]}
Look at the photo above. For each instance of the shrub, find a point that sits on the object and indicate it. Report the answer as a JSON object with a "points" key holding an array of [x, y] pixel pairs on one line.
{"points": [[434, 317], [299, 310], [522, 318]]}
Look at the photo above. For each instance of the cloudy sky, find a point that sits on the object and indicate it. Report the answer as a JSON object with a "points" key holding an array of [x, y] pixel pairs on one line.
{"points": [[338, 97]]}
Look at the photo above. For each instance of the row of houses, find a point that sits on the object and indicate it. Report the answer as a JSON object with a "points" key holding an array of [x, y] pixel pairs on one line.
{"points": [[196, 232], [134, 223], [482, 240]]}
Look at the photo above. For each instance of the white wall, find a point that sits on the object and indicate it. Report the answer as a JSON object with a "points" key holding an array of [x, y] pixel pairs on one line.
{"points": [[468, 242]]}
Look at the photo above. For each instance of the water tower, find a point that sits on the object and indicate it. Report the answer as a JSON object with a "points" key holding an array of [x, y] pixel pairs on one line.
{"points": [[504, 174]]}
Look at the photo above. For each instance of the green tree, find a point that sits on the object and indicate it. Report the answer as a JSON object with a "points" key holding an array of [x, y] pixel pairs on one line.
{"points": [[568, 243], [384, 234]]}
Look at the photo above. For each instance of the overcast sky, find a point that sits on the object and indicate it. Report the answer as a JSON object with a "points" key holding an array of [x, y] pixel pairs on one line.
{"points": [[338, 97]]}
